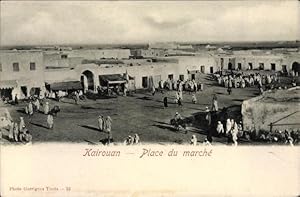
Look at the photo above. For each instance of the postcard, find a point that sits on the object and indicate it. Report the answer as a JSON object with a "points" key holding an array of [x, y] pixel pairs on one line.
{"points": [[149, 98]]}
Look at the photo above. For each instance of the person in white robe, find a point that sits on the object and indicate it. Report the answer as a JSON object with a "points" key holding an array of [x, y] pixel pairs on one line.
{"points": [[228, 126], [220, 128], [50, 121], [46, 108], [21, 124], [16, 132], [100, 123]]}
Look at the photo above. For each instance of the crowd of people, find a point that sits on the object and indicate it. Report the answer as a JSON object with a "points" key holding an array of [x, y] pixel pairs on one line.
{"points": [[242, 80]]}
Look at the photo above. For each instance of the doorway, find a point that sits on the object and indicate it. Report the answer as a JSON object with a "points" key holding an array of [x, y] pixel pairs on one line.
{"points": [[24, 90], [144, 82], [202, 69], [230, 66]]}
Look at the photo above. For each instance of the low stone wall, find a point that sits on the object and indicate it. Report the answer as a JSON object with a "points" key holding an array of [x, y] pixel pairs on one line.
{"points": [[258, 114]]}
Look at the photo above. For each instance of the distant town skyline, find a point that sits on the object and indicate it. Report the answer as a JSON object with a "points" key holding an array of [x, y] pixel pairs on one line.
{"points": [[121, 22]]}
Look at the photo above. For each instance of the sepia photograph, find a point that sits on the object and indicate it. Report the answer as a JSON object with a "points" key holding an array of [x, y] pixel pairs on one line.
{"points": [[130, 80]]}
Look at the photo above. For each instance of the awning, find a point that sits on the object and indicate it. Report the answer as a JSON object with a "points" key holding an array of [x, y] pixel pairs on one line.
{"points": [[6, 84], [113, 79], [68, 85]]}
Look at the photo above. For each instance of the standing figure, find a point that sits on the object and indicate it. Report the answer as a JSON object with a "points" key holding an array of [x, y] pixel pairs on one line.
{"points": [[22, 123], [16, 132], [179, 102], [37, 104], [46, 108], [50, 121], [108, 128], [16, 99], [180, 95], [136, 139], [220, 128], [125, 90], [165, 101], [30, 108], [228, 126], [76, 97], [153, 90], [11, 131], [194, 99], [229, 90], [100, 123], [215, 104], [176, 97], [234, 132]]}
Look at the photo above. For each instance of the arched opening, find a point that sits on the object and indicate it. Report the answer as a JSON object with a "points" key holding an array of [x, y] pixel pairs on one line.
{"points": [[230, 66], [87, 80], [296, 67]]}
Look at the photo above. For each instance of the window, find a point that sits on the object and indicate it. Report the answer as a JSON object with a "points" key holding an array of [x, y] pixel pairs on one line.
{"points": [[181, 77], [240, 66], [273, 66], [32, 65], [64, 56], [0, 67], [16, 67], [250, 66], [170, 76], [261, 66]]}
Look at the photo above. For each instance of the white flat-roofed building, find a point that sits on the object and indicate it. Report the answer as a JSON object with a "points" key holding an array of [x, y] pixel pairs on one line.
{"points": [[21, 73]]}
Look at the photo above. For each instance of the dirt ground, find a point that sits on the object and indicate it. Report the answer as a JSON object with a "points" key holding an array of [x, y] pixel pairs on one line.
{"points": [[141, 113]]}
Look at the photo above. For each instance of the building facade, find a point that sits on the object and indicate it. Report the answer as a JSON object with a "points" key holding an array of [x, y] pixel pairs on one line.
{"points": [[21, 73], [24, 73], [281, 62]]}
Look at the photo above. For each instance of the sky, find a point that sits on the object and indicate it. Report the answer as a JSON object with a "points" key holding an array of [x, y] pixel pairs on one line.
{"points": [[102, 22]]}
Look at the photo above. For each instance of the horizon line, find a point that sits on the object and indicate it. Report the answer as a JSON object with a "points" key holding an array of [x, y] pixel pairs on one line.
{"points": [[146, 43]]}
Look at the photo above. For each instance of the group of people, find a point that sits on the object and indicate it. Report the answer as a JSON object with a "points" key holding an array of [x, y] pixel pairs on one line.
{"points": [[34, 106], [132, 140], [179, 85], [76, 95], [178, 99], [194, 141], [290, 137], [105, 124], [232, 130], [17, 131], [242, 80]]}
